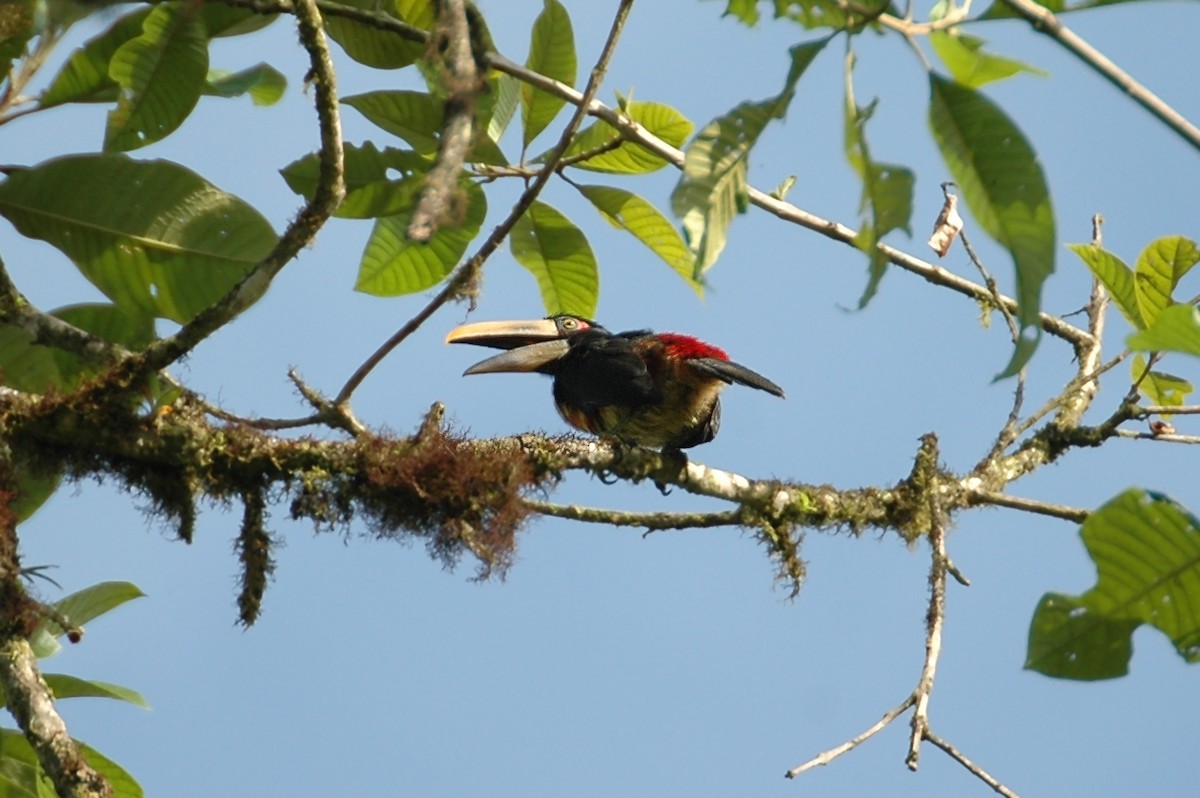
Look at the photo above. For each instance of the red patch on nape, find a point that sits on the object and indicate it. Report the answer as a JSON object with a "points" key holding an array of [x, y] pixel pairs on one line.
{"points": [[685, 346]]}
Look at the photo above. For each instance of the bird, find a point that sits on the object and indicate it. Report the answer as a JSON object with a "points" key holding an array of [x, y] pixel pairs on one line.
{"points": [[656, 390]]}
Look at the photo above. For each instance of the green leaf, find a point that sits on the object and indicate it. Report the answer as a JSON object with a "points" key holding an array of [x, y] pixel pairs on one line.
{"points": [[84, 77], [1147, 554], [887, 189], [33, 490], [1159, 268], [80, 608], [123, 784], [1177, 329], [745, 11], [630, 212], [551, 53], [264, 83], [19, 768], [713, 187], [964, 56], [626, 157], [153, 236], [222, 21], [159, 75], [414, 116], [1116, 277], [813, 13], [507, 92], [1005, 189], [557, 253], [378, 183], [392, 264], [369, 45], [65, 686], [1159, 387]]}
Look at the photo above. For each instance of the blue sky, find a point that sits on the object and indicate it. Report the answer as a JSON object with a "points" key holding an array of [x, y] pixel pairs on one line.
{"points": [[608, 664]]}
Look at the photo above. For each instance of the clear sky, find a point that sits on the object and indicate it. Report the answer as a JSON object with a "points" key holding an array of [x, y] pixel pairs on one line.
{"points": [[609, 664]]}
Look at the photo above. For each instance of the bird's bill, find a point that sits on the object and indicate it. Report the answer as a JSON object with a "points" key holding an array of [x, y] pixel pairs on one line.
{"points": [[505, 334], [532, 357]]}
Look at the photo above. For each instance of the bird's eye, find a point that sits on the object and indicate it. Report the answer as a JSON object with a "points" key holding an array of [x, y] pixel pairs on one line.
{"points": [[570, 325]]}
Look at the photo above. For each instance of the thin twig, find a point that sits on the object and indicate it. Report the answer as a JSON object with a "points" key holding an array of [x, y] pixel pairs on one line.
{"points": [[825, 757], [1046, 22], [1165, 438], [974, 769], [935, 619], [649, 521], [466, 273], [1063, 511], [1157, 410]]}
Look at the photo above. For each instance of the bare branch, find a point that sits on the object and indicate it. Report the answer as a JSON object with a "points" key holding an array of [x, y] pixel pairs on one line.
{"points": [[975, 770], [1063, 511], [825, 757], [1043, 21], [648, 521]]}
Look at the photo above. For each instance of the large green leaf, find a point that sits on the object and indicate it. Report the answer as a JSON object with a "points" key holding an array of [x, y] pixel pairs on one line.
{"points": [[84, 77], [1147, 554], [221, 20], [152, 235], [1005, 189], [369, 45], [970, 65], [551, 53], [264, 83], [414, 116], [506, 93], [378, 183], [19, 768], [1115, 276], [619, 157], [557, 253], [630, 212], [392, 264], [1177, 329], [159, 74], [1159, 269], [713, 187], [80, 608], [65, 686], [123, 784]]}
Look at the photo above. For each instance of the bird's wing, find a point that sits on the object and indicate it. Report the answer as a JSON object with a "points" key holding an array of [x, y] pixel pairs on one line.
{"points": [[729, 371]]}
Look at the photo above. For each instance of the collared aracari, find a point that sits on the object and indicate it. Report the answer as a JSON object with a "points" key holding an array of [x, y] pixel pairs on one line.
{"points": [[658, 390]]}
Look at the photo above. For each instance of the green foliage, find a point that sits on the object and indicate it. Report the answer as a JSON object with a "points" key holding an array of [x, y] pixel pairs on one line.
{"points": [[1147, 554], [159, 75], [628, 211], [615, 156], [551, 53], [84, 77], [1005, 189], [370, 45], [393, 265], [1159, 387], [550, 246], [20, 772], [970, 65], [371, 191], [713, 187], [1177, 329], [169, 247], [887, 189], [264, 83]]}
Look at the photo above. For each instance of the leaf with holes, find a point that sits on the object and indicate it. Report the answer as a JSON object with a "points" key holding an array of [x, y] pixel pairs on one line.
{"points": [[155, 237], [646, 223], [392, 264], [378, 182], [557, 253], [551, 53], [159, 75], [1003, 185], [1147, 554]]}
